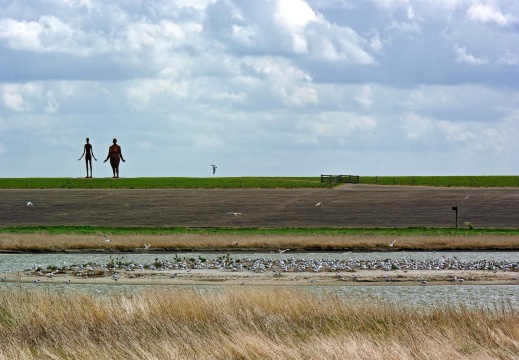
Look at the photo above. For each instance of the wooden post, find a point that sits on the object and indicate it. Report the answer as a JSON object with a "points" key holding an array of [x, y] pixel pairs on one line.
{"points": [[455, 208]]}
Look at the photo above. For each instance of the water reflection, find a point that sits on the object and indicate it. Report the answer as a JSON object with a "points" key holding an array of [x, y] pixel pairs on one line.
{"points": [[485, 296]]}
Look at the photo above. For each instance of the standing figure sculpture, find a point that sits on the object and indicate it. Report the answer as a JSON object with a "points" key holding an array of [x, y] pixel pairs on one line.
{"points": [[88, 153], [114, 154]]}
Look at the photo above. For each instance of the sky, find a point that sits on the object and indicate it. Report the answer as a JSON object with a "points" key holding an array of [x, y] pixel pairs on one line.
{"points": [[260, 88]]}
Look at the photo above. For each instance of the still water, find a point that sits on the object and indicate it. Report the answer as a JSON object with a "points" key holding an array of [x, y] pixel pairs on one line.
{"points": [[413, 296]]}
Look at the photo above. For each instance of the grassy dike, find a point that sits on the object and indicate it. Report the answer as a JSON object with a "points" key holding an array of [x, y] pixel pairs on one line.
{"points": [[250, 182]]}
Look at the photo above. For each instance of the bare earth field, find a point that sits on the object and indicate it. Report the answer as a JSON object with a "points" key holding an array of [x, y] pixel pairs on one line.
{"points": [[348, 206]]}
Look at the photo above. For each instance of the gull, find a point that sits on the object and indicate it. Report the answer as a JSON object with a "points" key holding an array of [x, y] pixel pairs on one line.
{"points": [[29, 203], [106, 238], [235, 213], [214, 168], [392, 243], [283, 251], [146, 247], [319, 204], [234, 243], [466, 197]]}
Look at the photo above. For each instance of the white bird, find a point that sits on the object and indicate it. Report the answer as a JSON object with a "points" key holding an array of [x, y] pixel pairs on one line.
{"points": [[214, 168], [235, 213], [234, 243], [147, 246], [283, 251], [106, 238], [29, 203], [392, 243], [466, 197], [319, 204]]}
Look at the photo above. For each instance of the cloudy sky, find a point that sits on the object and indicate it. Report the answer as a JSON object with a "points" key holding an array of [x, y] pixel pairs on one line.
{"points": [[266, 87]]}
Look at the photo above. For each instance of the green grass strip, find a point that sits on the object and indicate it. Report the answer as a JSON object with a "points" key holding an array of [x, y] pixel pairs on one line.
{"points": [[443, 181], [250, 182], [88, 230], [163, 183]]}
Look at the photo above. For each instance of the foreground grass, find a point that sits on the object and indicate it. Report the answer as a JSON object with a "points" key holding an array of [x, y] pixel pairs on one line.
{"points": [[255, 240], [245, 324]]}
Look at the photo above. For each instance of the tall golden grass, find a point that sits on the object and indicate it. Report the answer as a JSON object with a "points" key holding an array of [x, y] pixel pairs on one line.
{"points": [[39, 242], [239, 323]]}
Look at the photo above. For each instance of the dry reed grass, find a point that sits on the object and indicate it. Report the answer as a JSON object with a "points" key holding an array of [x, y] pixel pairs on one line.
{"points": [[245, 324], [40, 242]]}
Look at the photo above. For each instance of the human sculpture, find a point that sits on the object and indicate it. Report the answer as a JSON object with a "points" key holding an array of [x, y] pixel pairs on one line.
{"points": [[115, 154], [88, 153]]}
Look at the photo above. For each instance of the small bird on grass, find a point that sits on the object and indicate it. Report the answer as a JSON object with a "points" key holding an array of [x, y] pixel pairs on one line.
{"points": [[392, 243], [319, 204], [106, 239], [147, 246]]}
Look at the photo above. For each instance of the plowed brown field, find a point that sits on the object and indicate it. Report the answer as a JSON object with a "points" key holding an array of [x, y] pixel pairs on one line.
{"points": [[347, 206]]}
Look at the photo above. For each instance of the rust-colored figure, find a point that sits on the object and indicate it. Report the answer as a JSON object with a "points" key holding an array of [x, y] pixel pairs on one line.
{"points": [[88, 153], [114, 154]]}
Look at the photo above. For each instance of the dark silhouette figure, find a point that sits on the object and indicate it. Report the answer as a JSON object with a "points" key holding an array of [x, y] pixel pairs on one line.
{"points": [[214, 168], [88, 153], [115, 154]]}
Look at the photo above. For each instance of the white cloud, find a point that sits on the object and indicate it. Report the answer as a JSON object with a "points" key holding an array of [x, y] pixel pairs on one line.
{"points": [[408, 27], [294, 14], [487, 13], [289, 83], [508, 58], [375, 43], [365, 96], [465, 57], [244, 34], [335, 124], [455, 132], [415, 126], [146, 91], [21, 97], [50, 34], [301, 96]]}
